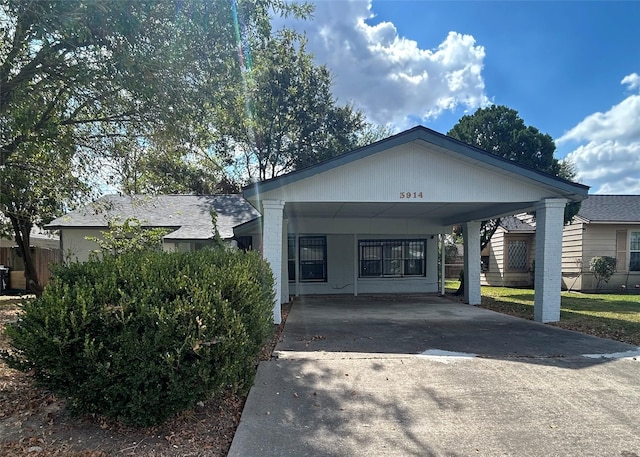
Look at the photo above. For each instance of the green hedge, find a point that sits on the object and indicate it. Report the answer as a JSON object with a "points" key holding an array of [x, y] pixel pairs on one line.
{"points": [[139, 337]]}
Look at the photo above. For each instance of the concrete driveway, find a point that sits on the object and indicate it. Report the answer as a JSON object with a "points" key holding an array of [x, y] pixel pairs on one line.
{"points": [[424, 376]]}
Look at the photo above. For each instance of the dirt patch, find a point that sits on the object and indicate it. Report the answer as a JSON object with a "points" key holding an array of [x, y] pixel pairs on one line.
{"points": [[34, 422]]}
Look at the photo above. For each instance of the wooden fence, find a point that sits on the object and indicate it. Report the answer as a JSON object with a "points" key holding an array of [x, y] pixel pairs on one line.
{"points": [[43, 258]]}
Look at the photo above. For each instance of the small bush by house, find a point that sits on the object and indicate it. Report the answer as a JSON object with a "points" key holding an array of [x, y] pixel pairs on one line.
{"points": [[141, 336]]}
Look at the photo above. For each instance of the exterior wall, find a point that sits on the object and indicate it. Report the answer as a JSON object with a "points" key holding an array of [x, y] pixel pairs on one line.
{"points": [[342, 269], [75, 246], [365, 226], [498, 275], [600, 240], [414, 167], [495, 250], [572, 256]]}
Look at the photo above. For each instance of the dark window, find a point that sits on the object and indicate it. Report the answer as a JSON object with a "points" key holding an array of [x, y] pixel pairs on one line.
{"points": [[379, 258], [634, 252], [313, 258], [245, 243]]}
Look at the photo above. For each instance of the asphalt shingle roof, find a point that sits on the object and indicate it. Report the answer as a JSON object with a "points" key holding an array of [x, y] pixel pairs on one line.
{"points": [[611, 208], [515, 224], [189, 215]]}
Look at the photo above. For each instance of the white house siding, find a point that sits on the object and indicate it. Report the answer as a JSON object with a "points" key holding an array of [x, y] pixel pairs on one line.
{"points": [[343, 269], [413, 168]]}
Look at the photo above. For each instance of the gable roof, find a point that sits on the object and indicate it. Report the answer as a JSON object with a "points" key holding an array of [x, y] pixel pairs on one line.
{"points": [[610, 208], [515, 224], [569, 189], [189, 215]]}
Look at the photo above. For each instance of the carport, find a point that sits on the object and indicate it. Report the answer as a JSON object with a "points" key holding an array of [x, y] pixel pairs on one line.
{"points": [[369, 221]]}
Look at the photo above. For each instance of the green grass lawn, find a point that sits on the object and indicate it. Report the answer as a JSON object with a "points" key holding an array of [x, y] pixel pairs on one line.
{"points": [[610, 316]]}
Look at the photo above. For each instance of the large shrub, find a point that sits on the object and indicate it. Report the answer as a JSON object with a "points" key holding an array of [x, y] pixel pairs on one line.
{"points": [[141, 336]]}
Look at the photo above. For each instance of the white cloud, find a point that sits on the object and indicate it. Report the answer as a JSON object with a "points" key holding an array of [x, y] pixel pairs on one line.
{"points": [[389, 76], [610, 160], [633, 80]]}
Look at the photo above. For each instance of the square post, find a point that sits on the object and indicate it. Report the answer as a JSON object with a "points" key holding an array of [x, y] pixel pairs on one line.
{"points": [[471, 236], [272, 249], [548, 266]]}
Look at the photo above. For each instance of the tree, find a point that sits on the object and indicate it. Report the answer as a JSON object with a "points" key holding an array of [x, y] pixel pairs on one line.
{"points": [[128, 236], [285, 117], [79, 79], [501, 131], [34, 187]]}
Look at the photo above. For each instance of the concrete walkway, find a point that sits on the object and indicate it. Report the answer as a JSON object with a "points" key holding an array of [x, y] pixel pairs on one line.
{"points": [[423, 376]]}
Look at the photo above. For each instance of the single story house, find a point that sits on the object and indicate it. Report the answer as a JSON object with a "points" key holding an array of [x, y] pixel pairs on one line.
{"points": [[187, 217], [509, 258], [369, 221], [606, 225]]}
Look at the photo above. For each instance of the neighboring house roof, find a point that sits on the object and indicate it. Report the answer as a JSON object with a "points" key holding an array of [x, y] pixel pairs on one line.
{"points": [[38, 238], [572, 191], [610, 208], [515, 224], [189, 215]]}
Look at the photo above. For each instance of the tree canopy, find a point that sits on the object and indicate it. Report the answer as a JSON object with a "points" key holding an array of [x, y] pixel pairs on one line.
{"points": [[285, 116], [81, 81], [501, 131]]}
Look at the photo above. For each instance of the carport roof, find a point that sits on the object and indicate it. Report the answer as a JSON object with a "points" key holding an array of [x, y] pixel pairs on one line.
{"points": [[568, 189]]}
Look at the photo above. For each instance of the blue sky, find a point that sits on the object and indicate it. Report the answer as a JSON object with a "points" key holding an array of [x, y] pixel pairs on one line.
{"points": [[569, 68]]}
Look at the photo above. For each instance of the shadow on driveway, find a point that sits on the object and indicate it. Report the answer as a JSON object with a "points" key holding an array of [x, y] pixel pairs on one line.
{"points": [[348, 380], [415, 324]]}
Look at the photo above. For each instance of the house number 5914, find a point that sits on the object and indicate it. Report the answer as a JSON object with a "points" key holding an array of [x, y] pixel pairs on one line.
{"points": [[407, 195]]}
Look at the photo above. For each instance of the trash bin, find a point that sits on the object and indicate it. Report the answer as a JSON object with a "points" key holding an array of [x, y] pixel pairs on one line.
{"points": [[4, 279]]}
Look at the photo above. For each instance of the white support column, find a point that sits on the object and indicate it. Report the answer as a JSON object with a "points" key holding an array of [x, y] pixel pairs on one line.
{"points": [[272, 248], [285, 262], [471, 236], [548, 266]]}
